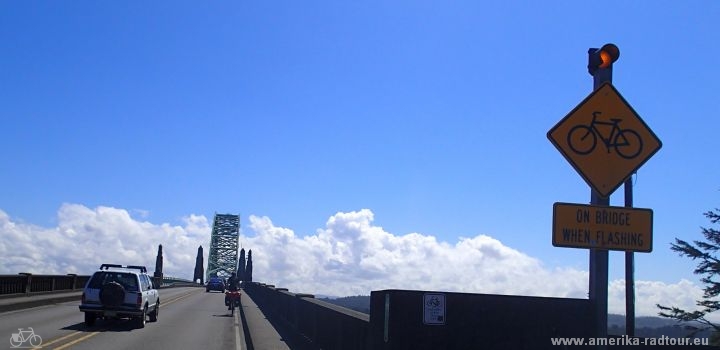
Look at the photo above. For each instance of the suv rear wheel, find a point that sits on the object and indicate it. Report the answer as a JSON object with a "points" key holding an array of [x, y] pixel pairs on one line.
{"points": [[143, 318], [155, 312], [89, 319]]}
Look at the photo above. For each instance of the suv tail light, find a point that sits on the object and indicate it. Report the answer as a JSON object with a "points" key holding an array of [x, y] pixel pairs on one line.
{"points": [[138, 302]]}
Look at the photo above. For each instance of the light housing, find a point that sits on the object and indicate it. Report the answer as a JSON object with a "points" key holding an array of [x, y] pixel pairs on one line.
{"points": [[602, 58]]}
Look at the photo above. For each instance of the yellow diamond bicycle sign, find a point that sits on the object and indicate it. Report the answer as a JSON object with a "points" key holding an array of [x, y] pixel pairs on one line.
{"points": [[604, 139]]}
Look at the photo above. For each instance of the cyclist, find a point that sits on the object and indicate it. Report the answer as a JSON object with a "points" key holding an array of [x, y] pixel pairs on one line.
{"points": [[232, 286], [233, 283]]}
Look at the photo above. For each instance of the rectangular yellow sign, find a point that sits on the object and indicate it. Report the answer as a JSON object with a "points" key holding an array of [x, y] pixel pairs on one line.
{"points": [[602, 227]]}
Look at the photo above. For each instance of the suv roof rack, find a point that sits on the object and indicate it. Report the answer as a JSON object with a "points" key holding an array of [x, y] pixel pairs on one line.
{"points": [[141, 268], [138, 267], [107, 266]]}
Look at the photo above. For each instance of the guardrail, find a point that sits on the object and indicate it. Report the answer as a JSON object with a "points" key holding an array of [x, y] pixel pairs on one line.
{"points": [[24, 284], [326, 325], [27, 283], [169, 281]]}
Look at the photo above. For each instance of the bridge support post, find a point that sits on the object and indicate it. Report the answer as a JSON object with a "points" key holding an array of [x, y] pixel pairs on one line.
{"points": [[241, 266], [74, 280], [28, 281], [249, 267], [158, 275], [199, 268]]}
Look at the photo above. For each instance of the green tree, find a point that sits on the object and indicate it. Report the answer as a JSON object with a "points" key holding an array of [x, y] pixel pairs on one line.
{"points": [[705, 252]]}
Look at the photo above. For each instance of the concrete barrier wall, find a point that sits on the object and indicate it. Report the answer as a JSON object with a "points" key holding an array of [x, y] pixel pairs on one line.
{"points": [[413, 320], [401, 319], [26, 284], [325, 325]]}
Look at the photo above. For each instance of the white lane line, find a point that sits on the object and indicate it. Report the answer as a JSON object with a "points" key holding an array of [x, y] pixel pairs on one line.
{"points": [[239, 335]]}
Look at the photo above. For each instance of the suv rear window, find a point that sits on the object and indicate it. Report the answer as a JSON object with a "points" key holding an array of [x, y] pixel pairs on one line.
{"points": [[127, 280]]}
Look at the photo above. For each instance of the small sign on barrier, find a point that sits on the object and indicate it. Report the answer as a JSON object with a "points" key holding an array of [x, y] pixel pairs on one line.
{"points": [[434, 309]]}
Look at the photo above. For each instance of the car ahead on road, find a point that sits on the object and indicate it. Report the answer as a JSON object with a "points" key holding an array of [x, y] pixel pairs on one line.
{"points": [[215, 283], [116, 291]]}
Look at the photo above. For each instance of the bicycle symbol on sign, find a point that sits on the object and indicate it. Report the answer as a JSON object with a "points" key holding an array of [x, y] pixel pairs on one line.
{"points": [[29, 336], [434, 301], [582, 139]]}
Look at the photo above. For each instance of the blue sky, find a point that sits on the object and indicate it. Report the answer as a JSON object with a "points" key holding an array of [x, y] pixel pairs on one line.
{"points": [[433, 115]]}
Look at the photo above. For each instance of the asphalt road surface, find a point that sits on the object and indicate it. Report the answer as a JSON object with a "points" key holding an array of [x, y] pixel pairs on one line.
{"points": [[189, 318]]}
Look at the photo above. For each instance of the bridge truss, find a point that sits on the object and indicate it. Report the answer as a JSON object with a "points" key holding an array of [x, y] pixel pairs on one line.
{"points": [[223, 255]]}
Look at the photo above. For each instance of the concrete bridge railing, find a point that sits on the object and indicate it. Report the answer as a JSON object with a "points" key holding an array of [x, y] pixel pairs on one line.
{"points": [[398, 320], [27, 283], [326, 325], [24, 284]]}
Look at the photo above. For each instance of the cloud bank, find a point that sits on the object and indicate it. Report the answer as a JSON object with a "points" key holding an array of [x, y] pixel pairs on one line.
{"points": [[349, 256]]}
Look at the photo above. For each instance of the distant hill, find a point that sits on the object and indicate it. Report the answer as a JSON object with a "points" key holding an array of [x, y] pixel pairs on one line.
{"points": [[641, 321], [654, 327], [359, 303], [645, 326]]}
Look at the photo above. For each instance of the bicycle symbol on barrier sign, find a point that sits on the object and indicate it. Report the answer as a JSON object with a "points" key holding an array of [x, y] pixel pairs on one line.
{"points": [[434, 301], [582, 139], [17, 340]]}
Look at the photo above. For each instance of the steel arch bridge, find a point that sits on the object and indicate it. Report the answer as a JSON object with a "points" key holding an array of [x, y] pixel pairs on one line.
{"points": [[223, 255]]}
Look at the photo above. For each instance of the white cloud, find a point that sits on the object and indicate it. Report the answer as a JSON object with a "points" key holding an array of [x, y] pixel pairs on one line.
{"points": [[349, 256], [650, 293], [86, 238], [359, 257]]}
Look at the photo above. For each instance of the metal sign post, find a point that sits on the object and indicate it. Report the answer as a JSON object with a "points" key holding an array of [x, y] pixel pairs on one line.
{"points": [[606, 142], [599, 259], [629, 272]]}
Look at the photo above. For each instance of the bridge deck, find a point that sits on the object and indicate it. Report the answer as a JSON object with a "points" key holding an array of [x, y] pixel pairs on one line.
{"points": [[258, 328], [17, 302]]}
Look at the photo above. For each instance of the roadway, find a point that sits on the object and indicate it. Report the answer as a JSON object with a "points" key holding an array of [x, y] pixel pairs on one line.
{"points": [[189, 318]]}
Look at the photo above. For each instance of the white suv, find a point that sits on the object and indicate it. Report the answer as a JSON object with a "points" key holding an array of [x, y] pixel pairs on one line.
{"points": [[120, 291]]}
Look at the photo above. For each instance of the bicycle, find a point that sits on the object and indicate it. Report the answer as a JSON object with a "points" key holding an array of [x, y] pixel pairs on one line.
{"points": [[627, 142], [434, 301], [232, 301], [19, 338]]}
